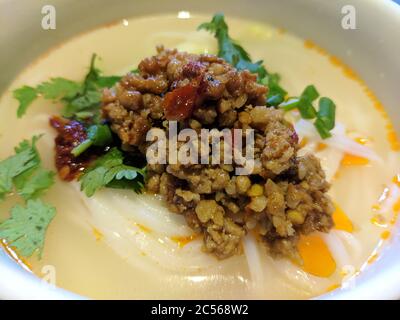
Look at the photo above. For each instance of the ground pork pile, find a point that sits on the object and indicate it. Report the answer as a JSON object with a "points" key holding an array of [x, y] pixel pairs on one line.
{"points": [[284, 196]]}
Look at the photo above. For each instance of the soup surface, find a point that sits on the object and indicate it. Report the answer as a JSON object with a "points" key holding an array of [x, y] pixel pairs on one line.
{"points": [[118, 244]]}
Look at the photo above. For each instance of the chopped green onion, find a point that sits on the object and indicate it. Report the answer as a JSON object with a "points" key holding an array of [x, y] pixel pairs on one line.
{"points": [[305, 106], [326, 112], [275, 100], [98, 135], [78, 150], [306, 109], [322, 129], [310, 93], [290, 104]]}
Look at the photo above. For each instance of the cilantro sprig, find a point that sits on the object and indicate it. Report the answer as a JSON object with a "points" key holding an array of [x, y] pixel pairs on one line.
{"points": [[80, 99], [26, 228], [23, 172], [110, 171], [229, 49], [276, 93], [236, 55], [24, 175]]}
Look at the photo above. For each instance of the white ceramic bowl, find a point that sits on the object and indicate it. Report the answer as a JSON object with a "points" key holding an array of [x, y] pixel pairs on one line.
{"points": [[375, 50]]}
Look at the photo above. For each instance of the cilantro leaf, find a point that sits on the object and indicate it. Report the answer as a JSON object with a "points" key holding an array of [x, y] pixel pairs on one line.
{"points": [[229, 49], [80, 99], [23, 170], [107, 82], [25, 230], [110, 171], [236, 55], [94, 79], [25, 96], [276, 93], [24, 159], [58, 88], [88, 101], [34, 183], [135, 185]]}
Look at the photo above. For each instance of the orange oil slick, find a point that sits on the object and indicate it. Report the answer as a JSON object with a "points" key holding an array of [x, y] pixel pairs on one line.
{"points": [[396, 180], [303, 142], [183, 240], [321, 146], [143, 228], [352, 160], [317, 259], [98, 234], [341, 220], [385, 235], [362, 141], [14, 255]]}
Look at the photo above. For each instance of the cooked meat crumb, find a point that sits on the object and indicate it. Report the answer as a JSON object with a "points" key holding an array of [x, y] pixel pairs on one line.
{"points": [[283, 197]]}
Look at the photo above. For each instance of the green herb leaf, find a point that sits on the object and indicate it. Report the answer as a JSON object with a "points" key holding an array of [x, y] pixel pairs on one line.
{"points": [[25, 230], [236, 55], [58, 88], [24, 171], [25, 96], [229, 49], [110, 171], [136, 185], [81, 99], [107, 82], [33, 183], [95, 80], [276, 93], [89, 101], [10, 168]]}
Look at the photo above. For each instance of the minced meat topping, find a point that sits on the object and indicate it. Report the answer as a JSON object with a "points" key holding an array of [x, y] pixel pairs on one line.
{"points": [[283, 196]]}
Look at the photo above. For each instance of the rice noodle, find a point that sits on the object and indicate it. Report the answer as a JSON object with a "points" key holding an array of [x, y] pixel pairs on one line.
{"points": [[352, 243], [254, 263], [337, 248], [339, 140], [146, 210], [134, 244], [330, 161], [299, 278]]}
